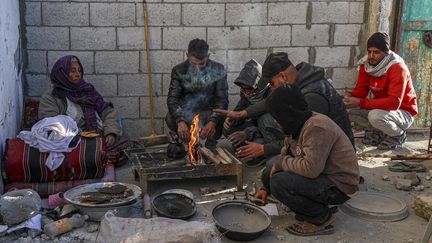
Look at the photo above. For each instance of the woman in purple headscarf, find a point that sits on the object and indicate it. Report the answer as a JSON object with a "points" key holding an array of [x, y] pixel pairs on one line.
{"points": [[73, 96]]}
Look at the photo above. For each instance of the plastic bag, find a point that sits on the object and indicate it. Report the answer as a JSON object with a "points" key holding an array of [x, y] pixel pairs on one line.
{"points": [[19, 205]]}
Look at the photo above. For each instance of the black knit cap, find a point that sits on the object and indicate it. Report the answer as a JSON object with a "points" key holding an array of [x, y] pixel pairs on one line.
{"points": [[274, 64], [380, 40], [198, 48], [288, 107]]}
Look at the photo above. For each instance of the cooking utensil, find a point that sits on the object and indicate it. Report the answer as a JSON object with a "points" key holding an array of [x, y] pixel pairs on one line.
{"points": [[239, 220], [174, 205]]}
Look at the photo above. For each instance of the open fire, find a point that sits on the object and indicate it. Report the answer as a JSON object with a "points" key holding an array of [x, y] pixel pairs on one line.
{"points": [[194, 147]]}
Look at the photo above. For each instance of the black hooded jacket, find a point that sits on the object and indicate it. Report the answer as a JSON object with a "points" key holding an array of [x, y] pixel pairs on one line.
{"points": [[186, 97]]}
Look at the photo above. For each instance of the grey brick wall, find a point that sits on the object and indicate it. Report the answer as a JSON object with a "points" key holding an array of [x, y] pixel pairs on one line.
{"points": [[108, 37]]}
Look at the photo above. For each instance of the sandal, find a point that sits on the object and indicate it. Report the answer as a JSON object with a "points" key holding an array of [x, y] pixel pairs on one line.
{"points": [[333, 210], [308, 229], [373, 138], [407, 167], [390, 143]]}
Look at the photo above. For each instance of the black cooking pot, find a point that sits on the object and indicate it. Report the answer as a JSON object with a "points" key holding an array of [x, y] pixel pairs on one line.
{"points": [[176, 150], [174, 205], [239, 220]]}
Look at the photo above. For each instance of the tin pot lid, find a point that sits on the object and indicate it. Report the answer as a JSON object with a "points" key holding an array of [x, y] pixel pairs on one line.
{"points": [[375, 206]]}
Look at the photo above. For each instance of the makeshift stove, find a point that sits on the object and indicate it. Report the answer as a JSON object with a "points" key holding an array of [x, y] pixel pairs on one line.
{"points": [[153, 164]]}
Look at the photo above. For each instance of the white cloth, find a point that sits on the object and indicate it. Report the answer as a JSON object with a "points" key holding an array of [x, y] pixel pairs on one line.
{"points": [[53, 135], [382, 67]]}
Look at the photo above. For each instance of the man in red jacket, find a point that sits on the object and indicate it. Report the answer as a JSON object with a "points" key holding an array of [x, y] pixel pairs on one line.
{"points": [[393, 104]]}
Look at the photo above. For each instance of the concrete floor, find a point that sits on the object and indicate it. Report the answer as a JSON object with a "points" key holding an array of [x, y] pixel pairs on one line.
{"points": [[348, 228]]}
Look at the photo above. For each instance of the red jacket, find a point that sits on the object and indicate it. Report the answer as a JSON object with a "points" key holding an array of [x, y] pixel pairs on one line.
{"points": [[392, 91]]}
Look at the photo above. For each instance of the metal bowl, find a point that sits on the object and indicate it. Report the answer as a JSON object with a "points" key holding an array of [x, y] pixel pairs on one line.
{"points": [[174, 205], [73, 195], [96, 214], [239, 220]]}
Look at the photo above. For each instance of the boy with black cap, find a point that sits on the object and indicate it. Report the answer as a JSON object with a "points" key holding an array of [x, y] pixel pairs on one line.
{"points": [[197, 86], [391, 110], [317, 167]]}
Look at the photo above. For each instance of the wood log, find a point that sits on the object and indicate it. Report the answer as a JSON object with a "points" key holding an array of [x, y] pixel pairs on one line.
{"points": [[209, 155], [396, 156], [225, 159]]}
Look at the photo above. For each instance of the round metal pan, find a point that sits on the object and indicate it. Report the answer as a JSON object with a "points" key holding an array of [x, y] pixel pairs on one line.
{"points": [[174, 205], [241, 221], [73, 195]]}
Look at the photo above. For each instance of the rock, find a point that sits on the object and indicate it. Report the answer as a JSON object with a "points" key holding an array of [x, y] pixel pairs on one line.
{"points": [[92, 228], [33, 233], [410, 241], [280, 237], [428, 178], [413, 177], [430, 173], [423, 206], [45, 237], [385, 178], [403, 184], [419, 188]]}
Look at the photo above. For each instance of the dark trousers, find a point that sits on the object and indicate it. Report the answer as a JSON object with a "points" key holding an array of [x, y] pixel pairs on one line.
{"points": [[204, 118], [307, 198]]}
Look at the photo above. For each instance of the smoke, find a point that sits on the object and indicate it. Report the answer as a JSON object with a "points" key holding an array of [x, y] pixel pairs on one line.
{"points": [[199, 88]]}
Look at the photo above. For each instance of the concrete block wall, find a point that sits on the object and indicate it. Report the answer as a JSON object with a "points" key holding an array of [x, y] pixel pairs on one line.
{"points": [[108, 36]]}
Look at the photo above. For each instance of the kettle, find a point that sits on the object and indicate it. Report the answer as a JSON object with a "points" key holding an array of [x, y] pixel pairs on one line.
{"points": [[175, 149]]}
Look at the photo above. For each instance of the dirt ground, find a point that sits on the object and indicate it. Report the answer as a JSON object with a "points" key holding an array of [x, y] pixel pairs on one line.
{"points": [[347, 228]]}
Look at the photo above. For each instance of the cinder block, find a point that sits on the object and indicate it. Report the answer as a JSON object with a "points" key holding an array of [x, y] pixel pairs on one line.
{"points": [[347, 34], [287, 13], [113, 62], [330, 12], [317, 35], [185, 1], [356, 14], [160, 107], [93, 38], [86, 58], [47, 38], [137, 1], [33, 13], [270, 36], [126, 107], [133, 38], [295, 54], [228, 37], [37, 62], [233, 88], [112, 14], [178, 38], [246, 14], [136, 128], [138, 85], [37, 84], [344, 78], [166, 81], [161, 61], [219, 56], [67, 14], [332, 57], [229, 1], [160, 14], [203, 14], [106, 85], [238, 58]]}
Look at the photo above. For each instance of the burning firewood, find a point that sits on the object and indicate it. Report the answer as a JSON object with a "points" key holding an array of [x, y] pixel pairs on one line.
{"points": [[209, 155], [225, 159], [194, 148]]}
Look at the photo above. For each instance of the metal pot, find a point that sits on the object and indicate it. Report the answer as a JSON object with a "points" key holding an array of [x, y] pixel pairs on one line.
{"points": [[240, 220], [174, 205], [176, 150]]}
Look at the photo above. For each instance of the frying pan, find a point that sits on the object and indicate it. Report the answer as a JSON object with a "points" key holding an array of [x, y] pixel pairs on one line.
{"points": [[174, 205]]}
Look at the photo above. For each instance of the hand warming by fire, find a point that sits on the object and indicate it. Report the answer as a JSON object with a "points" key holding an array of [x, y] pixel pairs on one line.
{"points": [[194, 148]]}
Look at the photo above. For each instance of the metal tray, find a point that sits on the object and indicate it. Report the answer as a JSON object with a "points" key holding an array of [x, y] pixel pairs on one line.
{"points": [[72, 195]]}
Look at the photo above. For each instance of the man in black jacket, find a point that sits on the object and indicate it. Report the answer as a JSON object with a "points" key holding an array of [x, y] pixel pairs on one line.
{"points": [[319, 94], [197, 86]]}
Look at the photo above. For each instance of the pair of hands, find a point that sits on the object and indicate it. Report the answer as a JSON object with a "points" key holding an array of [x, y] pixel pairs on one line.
{"points": [[349, 101], [263, 194], [208, 131]]}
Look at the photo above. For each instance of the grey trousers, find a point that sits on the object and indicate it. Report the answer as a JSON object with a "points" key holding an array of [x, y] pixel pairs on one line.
{"points": [[392, 123]]}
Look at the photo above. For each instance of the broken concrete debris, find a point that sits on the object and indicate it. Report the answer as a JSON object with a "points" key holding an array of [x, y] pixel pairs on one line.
{"points": [[423, 206]]}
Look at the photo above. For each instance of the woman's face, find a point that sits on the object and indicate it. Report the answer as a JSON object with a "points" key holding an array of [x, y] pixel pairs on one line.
{"points": [[75, 72]]}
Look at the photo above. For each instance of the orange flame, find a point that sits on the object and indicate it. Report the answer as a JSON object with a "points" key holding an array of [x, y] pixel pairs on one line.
{"points": [[194, 151]]}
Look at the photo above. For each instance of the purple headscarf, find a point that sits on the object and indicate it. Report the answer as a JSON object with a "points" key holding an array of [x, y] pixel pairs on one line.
{"points": [[81, 93]]}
